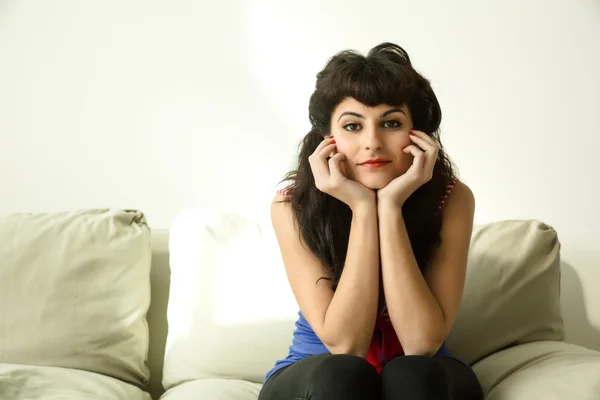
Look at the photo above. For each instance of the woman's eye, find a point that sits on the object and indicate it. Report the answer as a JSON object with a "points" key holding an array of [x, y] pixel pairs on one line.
{"points": [[351, 127], [392, 124]]}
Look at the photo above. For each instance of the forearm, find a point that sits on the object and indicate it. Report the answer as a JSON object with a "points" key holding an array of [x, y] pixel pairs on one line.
{"points": [[415, 313], [350, 318]]}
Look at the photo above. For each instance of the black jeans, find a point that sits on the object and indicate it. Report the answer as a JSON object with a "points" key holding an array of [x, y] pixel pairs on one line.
{"points": [[346, 377]]}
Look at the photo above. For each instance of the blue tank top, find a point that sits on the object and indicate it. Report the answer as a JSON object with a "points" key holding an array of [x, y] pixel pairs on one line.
{"points": [[306, 343]]}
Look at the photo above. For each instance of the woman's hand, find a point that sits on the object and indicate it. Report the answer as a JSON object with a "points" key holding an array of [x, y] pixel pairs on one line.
{"points": [[425, 152], [330, 179]]}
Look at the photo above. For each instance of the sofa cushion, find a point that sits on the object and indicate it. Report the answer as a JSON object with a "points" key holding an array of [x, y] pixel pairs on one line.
{"points": [[512, 290], [74, 291], [230, 298], [231, 311], [214, 389], [546, 370], [20, 382]]}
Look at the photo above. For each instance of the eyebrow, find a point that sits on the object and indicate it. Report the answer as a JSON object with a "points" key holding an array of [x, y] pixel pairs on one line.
{"points": [[385, 114]]}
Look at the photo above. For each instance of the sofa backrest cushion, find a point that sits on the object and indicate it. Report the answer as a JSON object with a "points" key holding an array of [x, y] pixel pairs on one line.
{"points": [[231, 312], [74, 291], [512, 290]]}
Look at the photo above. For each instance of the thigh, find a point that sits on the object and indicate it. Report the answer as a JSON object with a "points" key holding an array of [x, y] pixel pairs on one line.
{"points": [[324, 377], [464, 384]]}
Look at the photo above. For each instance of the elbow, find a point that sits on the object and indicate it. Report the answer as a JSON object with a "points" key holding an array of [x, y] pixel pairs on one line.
{"points": [[424, 342], [355, 343]]}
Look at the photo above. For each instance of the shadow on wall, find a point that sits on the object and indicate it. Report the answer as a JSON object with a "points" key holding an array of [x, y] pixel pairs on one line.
{"points": [[157, 320], [578, 328]]}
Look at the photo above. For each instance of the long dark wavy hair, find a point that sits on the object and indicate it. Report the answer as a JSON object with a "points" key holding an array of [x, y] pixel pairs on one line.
{"points": [[384, 76]]}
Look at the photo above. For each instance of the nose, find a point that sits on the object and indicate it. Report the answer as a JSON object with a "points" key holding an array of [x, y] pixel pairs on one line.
{"points": [[372, 139]]}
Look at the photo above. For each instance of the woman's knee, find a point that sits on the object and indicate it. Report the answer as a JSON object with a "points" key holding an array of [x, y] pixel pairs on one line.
{"points": [[422, 376], [344, 376]]}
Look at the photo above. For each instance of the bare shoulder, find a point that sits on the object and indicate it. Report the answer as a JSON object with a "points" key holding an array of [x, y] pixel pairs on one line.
{"points": [[278, 199], [460, 201], [280, 208]]}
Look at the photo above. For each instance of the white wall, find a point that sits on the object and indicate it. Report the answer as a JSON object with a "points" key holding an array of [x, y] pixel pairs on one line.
{"points": [[166, 105]]}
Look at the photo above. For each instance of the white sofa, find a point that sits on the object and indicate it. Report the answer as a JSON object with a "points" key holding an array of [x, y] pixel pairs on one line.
{"points": [[221, 311]]}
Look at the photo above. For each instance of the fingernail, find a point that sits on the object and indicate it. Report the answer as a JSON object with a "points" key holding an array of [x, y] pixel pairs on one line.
{"points": [[333, 142], [411, 133], [330, 136]]}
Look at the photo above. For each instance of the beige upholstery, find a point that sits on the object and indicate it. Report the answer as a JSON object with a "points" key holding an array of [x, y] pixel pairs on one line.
{"points": [[227, 330], [28, 382], [546, 370], [74, 290], [230, 299], [214, 389], [233, 303], [512, 290]]}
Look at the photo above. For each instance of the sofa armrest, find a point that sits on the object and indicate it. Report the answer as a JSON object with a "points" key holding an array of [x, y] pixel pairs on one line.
{"points": [[545, 369]]}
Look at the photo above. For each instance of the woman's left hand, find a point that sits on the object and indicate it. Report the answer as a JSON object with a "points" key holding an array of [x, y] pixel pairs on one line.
{"points": [[425, 152]]}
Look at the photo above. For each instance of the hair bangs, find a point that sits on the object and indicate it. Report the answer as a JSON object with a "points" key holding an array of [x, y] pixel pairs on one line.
{"points": [[372, 83]]}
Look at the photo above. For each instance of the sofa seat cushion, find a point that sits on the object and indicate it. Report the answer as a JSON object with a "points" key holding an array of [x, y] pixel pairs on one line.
{"points": [[214, 389], [21, 382], [548, 370]]}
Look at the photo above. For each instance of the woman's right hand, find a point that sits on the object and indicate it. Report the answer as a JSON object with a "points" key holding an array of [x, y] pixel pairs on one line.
{"points": [[330, 179]]}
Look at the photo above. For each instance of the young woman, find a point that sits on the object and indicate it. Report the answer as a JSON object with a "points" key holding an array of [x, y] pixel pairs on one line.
{"points": [[374, 231]]}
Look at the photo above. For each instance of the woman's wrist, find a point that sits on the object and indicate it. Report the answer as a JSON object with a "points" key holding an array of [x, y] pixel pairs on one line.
{"points": [[389, 209], [364, 208]]}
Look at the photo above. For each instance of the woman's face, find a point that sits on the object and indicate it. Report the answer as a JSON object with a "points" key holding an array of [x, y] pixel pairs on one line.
{"points": [[365, 133]]}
